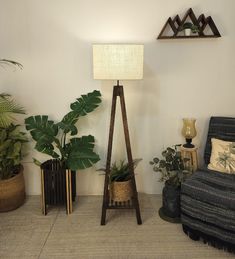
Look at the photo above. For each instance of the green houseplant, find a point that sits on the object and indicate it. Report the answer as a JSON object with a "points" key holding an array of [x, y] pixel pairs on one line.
{"points": [[173, 173], [12, 142], [8, 107], [67, 151], [120, 180], [57, 139], [189, 27]]}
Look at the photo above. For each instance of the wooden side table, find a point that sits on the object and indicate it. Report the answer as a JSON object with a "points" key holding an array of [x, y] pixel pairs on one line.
{"points": [[190, 153]]}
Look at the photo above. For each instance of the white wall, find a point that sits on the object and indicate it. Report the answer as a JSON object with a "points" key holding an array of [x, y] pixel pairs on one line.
{"points": [[182, 78]]}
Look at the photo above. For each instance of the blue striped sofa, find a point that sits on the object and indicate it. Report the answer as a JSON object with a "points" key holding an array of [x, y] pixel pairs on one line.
{"points": [[208, 197]]}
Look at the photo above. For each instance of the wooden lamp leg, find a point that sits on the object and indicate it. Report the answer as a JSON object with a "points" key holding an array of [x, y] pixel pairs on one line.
{"points": [[129, 155], [118, 91], [108, 162]]}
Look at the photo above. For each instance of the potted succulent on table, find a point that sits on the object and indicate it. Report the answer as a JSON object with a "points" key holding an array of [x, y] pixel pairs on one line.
{"points": [[12, 143], [173, 173], [188, 27], [120, 187], [59, 141]]}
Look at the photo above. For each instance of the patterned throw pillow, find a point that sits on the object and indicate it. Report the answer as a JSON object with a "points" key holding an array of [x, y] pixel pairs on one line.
{"points": [[222, 156]]}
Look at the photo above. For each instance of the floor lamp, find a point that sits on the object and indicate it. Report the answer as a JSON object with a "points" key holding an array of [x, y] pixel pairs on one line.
{"points": [[118, 62]]}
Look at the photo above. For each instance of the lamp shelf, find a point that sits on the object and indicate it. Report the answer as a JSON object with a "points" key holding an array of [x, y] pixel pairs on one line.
{"points": [[202, 22]]}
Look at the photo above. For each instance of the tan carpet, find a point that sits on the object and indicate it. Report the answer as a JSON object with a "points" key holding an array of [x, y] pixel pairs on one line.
{"points": [[26, 233]]}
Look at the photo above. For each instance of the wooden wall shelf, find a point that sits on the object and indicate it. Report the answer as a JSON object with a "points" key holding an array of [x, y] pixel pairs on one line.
{"points": [[201, 22]]}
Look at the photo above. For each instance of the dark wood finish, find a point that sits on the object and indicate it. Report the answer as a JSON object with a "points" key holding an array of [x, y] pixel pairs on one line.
{"points": [[107, 203], [58, 186], [201, 22]]}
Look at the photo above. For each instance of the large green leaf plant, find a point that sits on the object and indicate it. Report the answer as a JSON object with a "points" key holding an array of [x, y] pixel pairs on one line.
{"points": [[58, 139]]}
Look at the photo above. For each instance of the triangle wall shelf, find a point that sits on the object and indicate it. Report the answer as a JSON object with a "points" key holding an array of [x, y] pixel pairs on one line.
{"points": [[205, 25]]}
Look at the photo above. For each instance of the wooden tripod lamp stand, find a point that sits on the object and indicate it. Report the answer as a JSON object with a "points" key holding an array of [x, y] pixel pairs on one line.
{"points": [[118, 62]]}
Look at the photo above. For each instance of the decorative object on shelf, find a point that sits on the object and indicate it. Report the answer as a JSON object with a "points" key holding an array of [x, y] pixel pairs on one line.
{"points": [[189, 131], [199, 25], [57, 140], [173, 173], [188, 27], [118, 62], [191, 155]]}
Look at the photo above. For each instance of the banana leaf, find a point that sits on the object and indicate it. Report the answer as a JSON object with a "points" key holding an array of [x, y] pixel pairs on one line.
{"points": [[83, 105], [44, 132], [80, 153]]}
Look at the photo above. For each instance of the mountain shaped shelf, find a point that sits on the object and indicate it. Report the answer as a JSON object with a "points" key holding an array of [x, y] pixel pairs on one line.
{"points": [[206, 26]]}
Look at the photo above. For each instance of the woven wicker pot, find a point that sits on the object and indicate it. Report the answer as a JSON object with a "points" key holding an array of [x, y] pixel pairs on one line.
{"points": [[121, 191], [12, 192]]}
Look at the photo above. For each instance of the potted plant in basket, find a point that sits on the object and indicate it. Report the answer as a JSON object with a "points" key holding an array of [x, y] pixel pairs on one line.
{"points": [[120, 187], [58, 140], [173, 173], [12, 143]]}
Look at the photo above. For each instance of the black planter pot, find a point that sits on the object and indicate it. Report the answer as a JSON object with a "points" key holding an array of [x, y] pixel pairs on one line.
{"points": [[55, 183], [170, 210]]}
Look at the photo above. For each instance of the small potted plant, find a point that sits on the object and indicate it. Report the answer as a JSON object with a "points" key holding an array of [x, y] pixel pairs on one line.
{"points": [[173, 173], [188, 27], [120, 187], [12, 143]]}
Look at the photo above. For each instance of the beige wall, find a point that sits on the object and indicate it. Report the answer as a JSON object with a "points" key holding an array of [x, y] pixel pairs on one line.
{"points": [[182, 78]]}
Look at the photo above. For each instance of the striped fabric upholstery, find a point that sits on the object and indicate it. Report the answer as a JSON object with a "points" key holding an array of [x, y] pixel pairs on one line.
{"points": [[208, 197]]}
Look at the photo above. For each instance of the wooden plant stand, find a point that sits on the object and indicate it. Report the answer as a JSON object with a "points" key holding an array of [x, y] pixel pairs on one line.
{"points": [[107, 202], [58, 186]]}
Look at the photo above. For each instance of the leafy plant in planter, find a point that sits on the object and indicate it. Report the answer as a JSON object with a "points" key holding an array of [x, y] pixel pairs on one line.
{"points": [[189, 26], [173, 173], [56, 139], [120, 180], [67, 151], [12, 142]]}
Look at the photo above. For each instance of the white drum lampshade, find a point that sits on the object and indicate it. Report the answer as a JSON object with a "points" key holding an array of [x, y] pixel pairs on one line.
{"points": [[118, 61]]}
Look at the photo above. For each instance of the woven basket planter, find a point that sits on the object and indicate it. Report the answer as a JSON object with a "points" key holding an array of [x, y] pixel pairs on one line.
{"points": [[121, 191], [12, 192]]}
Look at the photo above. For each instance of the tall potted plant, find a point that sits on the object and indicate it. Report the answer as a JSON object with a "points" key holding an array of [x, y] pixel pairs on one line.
{"points": [[12, 142], [58, 140], [173, 173]]}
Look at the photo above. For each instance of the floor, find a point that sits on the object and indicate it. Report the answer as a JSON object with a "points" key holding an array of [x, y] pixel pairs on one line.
{"points": [[26, 233]]}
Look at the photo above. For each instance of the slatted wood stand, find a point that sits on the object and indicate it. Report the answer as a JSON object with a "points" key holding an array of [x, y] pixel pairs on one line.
{"points": [[191, 154], [58, 186], [107, 202]]}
